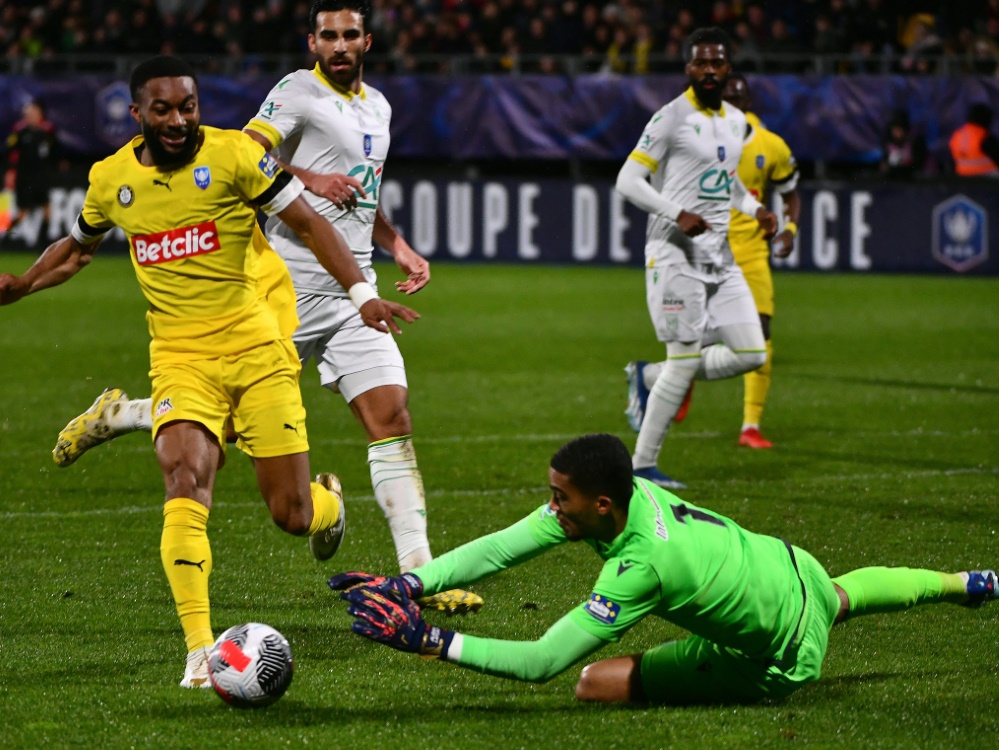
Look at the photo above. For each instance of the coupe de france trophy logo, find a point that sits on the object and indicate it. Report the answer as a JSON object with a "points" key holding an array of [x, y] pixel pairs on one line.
{"points": [[960, 233]]}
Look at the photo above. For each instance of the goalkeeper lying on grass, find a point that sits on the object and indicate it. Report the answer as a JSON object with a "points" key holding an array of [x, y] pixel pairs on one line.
{"points": [[759, 609]]}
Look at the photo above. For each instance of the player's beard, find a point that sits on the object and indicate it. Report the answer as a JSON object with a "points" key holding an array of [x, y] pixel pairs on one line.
{"points": [[170, 159], [343, 78], [710, 98]]}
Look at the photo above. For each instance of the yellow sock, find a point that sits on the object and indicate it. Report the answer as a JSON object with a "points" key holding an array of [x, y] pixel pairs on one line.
{"points": [[325, 509], [187, 560], [757, 385]]}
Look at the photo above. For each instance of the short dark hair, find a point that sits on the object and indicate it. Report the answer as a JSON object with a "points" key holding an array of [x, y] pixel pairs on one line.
{"points": [[161, 66], [980, 114], [37, 103], [707, 35], [329, 6], [597, 464]]}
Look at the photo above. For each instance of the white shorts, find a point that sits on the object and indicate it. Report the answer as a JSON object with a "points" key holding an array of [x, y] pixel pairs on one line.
{"points": [[689, 303], [351, 357]]}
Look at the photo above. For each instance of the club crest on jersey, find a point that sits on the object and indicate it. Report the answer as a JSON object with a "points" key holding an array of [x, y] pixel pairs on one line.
{"points": [[760, 161], [602, 609], [268, 165], [126, 196], [163, 407], [202, 177], [721, 153], [367, 145]]}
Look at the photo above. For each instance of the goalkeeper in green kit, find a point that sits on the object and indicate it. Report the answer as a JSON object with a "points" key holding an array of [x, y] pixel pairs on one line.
{"points": [[758, 608]]}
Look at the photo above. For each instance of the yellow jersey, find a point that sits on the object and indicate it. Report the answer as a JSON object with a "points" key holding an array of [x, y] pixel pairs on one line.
{"points": [[194, 240], [766, 163]]}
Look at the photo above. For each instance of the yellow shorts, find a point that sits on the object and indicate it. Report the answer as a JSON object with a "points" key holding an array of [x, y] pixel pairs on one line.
{"points": [[761, 284], [257, 388]]}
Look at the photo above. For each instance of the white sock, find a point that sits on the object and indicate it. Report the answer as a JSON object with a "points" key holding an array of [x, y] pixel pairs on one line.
{"points": [[665, 397], [718, 361], [650, 373], [399, 491], [131, 416]]}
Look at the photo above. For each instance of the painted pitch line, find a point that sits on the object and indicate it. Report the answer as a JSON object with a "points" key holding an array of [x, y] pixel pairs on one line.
{"points": [[540, 491], [146, 446]]}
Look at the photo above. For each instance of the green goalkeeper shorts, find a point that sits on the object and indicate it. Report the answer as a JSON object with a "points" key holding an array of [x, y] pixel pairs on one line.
{"points": [[695, 670]]}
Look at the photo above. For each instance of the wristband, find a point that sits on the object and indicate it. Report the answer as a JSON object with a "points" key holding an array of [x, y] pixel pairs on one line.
{"points": [[792, 228], [362, 292]]}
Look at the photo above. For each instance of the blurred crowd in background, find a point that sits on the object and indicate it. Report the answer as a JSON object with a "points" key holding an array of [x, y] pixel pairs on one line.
{"points": [[546, 36]]}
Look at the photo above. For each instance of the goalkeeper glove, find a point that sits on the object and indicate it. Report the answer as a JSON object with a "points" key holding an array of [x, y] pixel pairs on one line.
{"points": [[395, 620], [407, 584]]}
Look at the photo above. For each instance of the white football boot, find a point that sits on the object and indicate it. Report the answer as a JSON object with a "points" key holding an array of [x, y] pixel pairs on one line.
{"points": [[196, 671]]}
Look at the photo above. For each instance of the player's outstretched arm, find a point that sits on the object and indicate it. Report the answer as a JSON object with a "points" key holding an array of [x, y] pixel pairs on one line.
{"points": [[335, 256], [61, 260], [337, 188], [415, 266], [394, 620]]}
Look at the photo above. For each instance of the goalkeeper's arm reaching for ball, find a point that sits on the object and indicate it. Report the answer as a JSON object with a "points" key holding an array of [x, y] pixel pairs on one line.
{"points": [[385, 611]]}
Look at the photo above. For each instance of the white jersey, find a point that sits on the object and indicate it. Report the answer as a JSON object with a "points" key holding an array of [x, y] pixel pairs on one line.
{"points": [[693, 154], [319, 126]]}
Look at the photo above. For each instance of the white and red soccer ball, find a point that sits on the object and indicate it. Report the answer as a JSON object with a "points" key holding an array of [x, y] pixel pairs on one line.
{"points": [[250, 665]]}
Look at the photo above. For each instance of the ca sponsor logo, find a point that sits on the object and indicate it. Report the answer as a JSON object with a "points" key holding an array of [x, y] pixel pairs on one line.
{"points": [[175, 244], [371, 180], [163, 407], [715, 185]]}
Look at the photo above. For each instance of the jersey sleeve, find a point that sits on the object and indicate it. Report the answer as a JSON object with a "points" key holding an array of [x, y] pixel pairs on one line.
{"points": [[625, 592], [261, 181], [282, 114], [93, 222], [653, 145], [784, 176], [563, 645], [487, 555]]}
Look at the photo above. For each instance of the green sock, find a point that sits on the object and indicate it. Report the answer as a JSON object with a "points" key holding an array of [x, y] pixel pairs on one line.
{"points": [[872, 590]]}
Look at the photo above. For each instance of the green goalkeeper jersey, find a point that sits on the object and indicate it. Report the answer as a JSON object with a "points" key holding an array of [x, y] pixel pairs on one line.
{"points": [[674, 560]]}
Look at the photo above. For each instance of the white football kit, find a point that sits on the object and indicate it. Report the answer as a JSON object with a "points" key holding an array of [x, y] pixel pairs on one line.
{"points": [[693, 284], [319, 126]]}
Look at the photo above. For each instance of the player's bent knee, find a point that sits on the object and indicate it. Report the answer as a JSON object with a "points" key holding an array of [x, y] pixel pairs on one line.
{"points": [[753, 360]]}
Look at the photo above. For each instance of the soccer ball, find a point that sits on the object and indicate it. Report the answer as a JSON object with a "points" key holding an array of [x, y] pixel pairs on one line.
{"points": [[250, 665]]}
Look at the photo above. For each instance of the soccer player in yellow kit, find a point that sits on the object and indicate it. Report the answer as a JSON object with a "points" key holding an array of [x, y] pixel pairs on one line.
{"points": [[186, 197], [766, 165]]}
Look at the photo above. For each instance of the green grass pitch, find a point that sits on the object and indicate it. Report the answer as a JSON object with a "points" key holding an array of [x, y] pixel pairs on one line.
{"points": [[884, 409]]}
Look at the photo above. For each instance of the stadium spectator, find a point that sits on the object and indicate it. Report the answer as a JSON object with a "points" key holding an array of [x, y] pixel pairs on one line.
{"points": [[862, 29], [904, 151], [759, 609], [31, 156], [973, 147], [925, 45]]}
